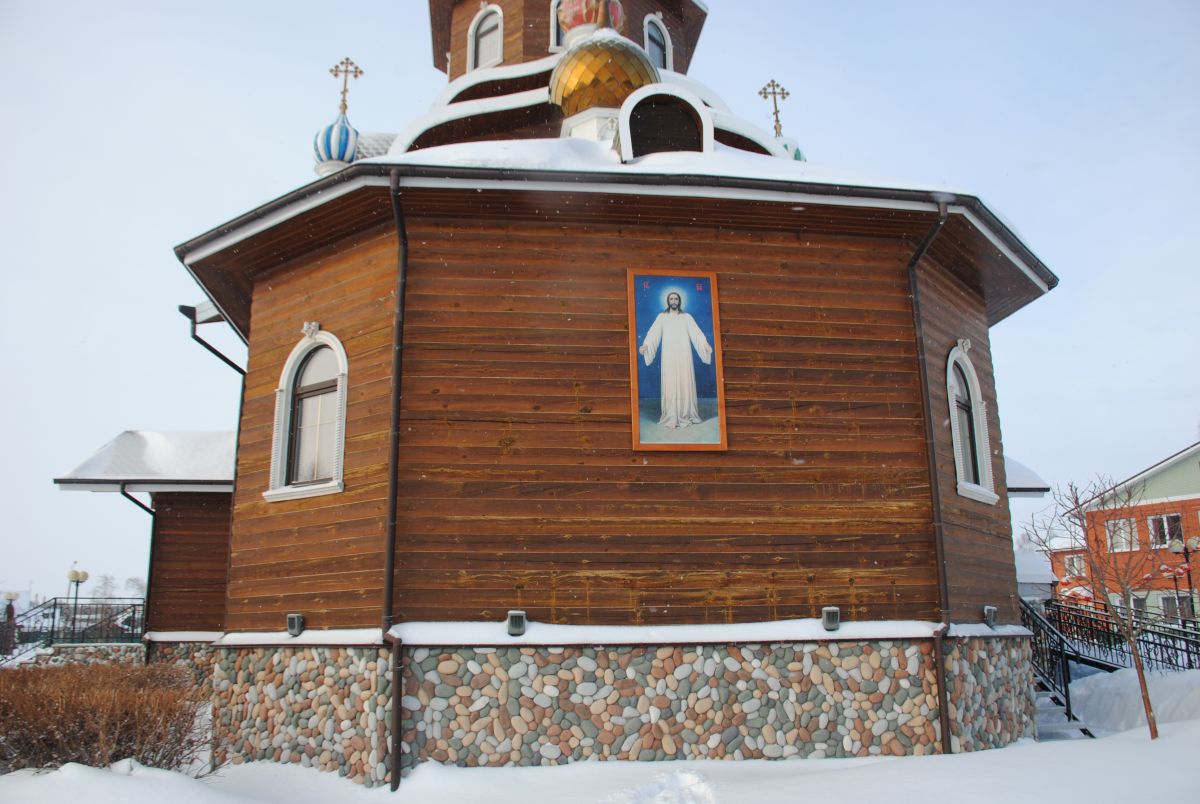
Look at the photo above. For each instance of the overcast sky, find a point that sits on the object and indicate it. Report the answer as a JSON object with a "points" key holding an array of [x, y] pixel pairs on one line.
{"points": [[133, 126]]}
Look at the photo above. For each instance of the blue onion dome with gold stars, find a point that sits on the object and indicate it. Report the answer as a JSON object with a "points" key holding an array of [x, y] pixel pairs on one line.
{"points": [[600, 67]]}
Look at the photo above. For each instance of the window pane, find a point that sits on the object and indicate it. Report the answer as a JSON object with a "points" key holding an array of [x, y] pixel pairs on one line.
{"points": [[1174, 526], [657, 45], [320, 366], [966, 445], [314, 444], [487, 40]]}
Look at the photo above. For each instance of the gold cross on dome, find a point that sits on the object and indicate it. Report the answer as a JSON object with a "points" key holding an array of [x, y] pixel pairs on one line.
{"points": [[774, 92], [345, 70]]}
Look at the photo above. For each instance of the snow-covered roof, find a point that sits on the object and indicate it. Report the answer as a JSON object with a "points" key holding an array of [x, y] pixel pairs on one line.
{"points": [[147, 460], [1034, 568], [575, 156], [1023, 481]]}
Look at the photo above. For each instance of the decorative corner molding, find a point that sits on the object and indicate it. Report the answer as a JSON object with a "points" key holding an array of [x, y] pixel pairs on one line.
{"points": [[311, 328]]}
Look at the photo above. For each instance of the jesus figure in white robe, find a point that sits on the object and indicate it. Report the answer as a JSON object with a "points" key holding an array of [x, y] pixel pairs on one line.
{"points": [[676, 333]]}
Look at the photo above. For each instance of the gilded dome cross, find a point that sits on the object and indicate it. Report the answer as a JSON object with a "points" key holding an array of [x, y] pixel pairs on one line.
{"points": [[345, 70], [775, 93]]}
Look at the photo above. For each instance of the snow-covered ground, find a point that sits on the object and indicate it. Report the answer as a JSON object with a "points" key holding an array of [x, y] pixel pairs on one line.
{"points": [[1083, 770]]}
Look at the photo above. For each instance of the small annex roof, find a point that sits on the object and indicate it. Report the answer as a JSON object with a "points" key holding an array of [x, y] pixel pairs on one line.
{"points": [[151, 461], [1021, 481]]}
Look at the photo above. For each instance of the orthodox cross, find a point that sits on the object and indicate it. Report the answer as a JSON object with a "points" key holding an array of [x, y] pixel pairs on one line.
{"points": [[775, 93], [345, 70]]}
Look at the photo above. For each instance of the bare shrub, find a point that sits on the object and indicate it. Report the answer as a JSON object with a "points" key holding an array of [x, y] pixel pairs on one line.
{"points": [[98, 714]]}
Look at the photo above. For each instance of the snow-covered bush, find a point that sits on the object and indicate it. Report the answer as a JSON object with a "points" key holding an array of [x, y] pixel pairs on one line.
{"points": [[96, 715]]}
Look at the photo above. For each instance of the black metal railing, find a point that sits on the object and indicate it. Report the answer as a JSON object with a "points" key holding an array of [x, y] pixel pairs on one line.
{"points": [[63, 620], [1163, 644], [1052, 654]]}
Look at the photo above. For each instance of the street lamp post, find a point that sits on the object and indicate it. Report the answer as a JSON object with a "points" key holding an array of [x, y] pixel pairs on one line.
{"points": [[75, 577]]}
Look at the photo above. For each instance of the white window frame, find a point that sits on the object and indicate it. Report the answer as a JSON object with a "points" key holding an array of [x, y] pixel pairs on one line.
{"points": [[1111, 526], [279, 489], [555, 46], [1150, 540], [473, 31], [984, 490], [1075, 565], [656, 20]]}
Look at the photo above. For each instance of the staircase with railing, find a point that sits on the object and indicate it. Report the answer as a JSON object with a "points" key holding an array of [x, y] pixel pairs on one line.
{"points": [[1066, 634], [63, 620]]}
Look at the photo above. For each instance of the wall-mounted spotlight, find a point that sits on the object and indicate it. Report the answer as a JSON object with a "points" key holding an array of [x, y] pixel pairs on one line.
{"points": [[831, 618], [295, 624], [989, 616], [516, 622]]}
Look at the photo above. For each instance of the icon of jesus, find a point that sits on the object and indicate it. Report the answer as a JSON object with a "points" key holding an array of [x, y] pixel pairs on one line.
{"points": [[676, 334]]}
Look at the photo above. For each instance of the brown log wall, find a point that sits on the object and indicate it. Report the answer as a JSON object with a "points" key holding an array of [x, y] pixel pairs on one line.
{"points": [[518, 485], [190, 560], [321, 556], [977, 537]]}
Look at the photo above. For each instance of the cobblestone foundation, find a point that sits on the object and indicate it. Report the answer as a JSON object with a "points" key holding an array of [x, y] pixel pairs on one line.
{"points": [[195, 657], [991, 692], [104, 653], [329, 707], [320, 707], [542, 706]]}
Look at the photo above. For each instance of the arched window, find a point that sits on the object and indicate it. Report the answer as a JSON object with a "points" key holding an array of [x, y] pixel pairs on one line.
{"points": [[658, 43], [968, 427], [310, 419], [556, 31], [485, 42]]}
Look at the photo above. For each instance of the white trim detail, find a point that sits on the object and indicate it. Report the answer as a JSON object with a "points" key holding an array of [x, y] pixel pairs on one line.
{"points": [[702, 112], [1005, 250], [736, 125], [655, 19], [472, 44], [457, 111], [314, 337], [332, 637], [984, 490], [182, 636]]}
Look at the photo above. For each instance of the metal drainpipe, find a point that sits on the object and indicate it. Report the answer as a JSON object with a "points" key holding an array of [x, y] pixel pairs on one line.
{"points": [[934, 488], [939, 659], [397, 680], [397, 365]]}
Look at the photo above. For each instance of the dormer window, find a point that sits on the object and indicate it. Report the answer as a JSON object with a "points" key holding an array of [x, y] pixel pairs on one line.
{"points": [[658, 43], [486, 39], [968, 427]]}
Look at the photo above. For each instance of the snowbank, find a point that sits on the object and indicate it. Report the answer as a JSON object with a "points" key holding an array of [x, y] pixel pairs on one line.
{"points": [[1072, 770], [1112, 702]]}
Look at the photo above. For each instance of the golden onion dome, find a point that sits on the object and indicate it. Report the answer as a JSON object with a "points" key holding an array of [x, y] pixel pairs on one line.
{"points": [[602, 70]]}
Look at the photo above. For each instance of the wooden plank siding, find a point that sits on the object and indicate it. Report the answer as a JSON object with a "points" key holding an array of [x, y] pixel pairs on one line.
{"points": [[518, 484], [977, 537], [321, 556], [191, 556]]}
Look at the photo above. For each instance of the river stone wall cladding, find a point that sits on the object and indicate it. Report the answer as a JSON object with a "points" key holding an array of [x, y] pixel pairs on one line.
{"points": [[549, 706], [100, 653], [322, 707], [195, 657], [991, 692]]}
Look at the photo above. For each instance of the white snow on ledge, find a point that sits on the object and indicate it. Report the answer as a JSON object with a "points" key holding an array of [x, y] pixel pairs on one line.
{"points": [[332, 636], [182, 636], [493, 634]]}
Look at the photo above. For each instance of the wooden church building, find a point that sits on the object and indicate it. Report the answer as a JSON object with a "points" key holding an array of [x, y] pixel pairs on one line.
{"points": [[718, 427]]}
